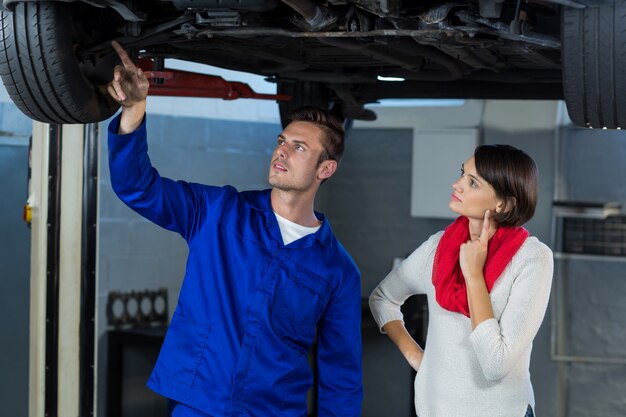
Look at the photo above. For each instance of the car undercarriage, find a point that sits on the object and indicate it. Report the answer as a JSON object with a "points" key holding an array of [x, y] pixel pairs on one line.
{"points": [[341, 54]]}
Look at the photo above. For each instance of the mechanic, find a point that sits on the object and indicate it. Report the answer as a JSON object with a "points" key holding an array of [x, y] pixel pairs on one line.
{"points": [[265, 276]]}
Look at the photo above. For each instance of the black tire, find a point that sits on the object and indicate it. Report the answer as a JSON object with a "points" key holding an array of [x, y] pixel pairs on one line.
{"points": [[594, 64], [40, 69]]}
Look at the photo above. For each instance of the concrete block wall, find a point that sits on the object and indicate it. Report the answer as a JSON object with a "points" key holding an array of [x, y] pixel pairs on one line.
{"points": [[368, 202], [593, 168], [15, 130], [593, 165]]}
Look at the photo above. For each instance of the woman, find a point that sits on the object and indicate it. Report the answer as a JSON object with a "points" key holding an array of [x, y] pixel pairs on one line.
{"points": [[488, 285]]}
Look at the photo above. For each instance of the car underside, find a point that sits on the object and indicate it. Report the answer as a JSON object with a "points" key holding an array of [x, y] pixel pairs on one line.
{"points": [[341, 54]]}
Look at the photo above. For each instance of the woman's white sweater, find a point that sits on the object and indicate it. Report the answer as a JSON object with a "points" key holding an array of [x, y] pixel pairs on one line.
{"points": [[482, 372]]}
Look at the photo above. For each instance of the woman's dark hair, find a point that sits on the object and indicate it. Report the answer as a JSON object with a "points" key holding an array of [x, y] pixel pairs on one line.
{"points": [[514, 177], [332, 130]]}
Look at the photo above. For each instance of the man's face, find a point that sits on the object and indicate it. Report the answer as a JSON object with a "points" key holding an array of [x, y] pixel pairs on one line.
{"points": [[294, 165]]}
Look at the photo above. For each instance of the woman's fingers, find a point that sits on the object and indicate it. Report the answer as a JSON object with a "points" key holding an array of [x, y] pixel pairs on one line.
{"points": [[484, 235]]}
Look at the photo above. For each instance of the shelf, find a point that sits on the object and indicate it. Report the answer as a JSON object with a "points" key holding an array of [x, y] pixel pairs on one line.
{"points": [[588, 257], [590, 359], [588, 210]]}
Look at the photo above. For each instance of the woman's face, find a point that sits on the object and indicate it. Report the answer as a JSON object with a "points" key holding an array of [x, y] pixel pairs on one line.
{"points": [[472, 195]]}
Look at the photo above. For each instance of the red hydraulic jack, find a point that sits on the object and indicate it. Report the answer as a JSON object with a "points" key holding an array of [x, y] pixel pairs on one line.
{"points": [[178, 83]]}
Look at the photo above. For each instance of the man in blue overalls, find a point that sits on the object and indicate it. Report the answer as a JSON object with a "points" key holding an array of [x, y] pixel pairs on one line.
{"points": [[265, 276]]}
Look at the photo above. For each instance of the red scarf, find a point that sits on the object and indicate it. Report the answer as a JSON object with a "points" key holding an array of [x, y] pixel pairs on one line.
{"points": [[450, 288]]}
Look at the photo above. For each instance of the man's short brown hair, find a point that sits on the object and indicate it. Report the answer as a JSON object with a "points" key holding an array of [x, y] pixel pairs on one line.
{"points": [[332, 130]]}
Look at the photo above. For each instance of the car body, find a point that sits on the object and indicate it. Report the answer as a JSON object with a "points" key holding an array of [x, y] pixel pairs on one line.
{"points": [[341, 54]]}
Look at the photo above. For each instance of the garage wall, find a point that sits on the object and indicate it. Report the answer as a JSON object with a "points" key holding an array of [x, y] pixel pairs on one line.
{"points": [[594, 169], [14, 262]]}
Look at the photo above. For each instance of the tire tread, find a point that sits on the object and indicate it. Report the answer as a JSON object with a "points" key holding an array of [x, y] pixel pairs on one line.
{"points": [[39, 68], [594, 64]]}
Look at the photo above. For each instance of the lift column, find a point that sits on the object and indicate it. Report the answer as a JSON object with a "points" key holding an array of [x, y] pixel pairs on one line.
{"points": [[63, 205]]}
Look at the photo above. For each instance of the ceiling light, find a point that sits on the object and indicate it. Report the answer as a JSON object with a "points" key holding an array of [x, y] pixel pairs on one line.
{"points": [[381, 78]]}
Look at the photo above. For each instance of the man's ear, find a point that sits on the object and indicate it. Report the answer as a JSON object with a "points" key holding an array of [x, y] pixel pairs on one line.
{"points": [[326, 169]]}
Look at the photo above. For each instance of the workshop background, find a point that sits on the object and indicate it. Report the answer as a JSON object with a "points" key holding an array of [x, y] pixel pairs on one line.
{"points": [[379, 205]]}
